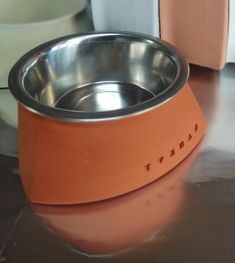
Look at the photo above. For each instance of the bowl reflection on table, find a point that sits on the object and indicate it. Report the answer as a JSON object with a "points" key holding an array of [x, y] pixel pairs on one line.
{"points": [[121, 223]]}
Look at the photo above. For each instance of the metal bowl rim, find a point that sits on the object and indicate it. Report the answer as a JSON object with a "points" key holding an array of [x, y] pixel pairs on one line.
{"points": [[32, 105]]}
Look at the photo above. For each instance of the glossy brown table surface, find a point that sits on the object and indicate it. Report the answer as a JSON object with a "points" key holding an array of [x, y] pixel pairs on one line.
{"points": [[186, 216]]}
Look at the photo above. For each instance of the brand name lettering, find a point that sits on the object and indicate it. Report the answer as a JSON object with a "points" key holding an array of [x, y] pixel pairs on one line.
{"points": [[173, 151]]}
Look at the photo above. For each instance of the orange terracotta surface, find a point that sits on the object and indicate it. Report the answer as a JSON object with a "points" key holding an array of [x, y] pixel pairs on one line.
{"points": [[107, 227], [69, 163], [198, 28]]}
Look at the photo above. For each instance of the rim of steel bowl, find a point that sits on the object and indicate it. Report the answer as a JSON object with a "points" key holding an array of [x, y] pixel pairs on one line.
{"points": [[22, 96]]}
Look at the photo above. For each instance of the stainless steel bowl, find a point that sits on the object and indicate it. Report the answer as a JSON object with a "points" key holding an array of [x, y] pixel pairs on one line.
{"points": [[99, 76]]}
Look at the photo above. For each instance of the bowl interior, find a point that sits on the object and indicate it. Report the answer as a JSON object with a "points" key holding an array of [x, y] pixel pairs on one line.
{"points": [[100, 75], [103, 96]]}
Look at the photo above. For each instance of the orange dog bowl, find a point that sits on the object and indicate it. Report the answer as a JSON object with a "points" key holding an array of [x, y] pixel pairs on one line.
{"points": [[101, 115]]}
